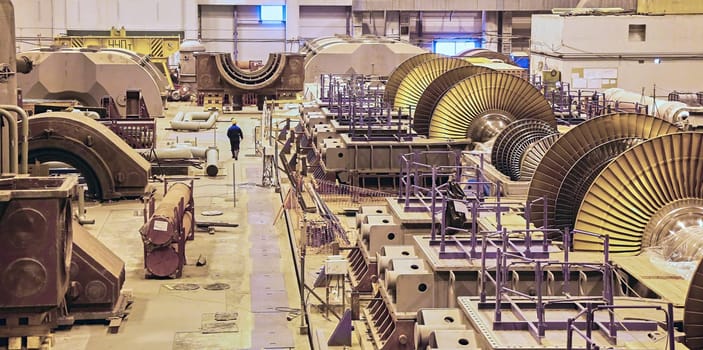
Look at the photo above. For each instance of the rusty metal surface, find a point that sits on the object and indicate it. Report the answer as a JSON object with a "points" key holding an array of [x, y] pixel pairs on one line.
{"points": [[344, 154], [283, 73], [362, 271], [35, 216], [97, 274], [102, 73], [250, 80], [388, 331], [480, 106], [162, 227], [166, 231], [559, 172], [139, 134], [112, 168], [644, 195]]}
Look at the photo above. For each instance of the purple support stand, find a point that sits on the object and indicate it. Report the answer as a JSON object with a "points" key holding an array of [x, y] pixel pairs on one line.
{"points": [[342, 335]]}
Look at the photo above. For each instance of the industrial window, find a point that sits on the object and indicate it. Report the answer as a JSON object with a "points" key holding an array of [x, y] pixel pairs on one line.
{"points": [[638, 32], [271, 13], [453, 47]]}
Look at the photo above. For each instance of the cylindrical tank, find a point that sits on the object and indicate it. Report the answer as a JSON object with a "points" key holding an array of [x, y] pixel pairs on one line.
{"points": [[162, 261], [188, 224], [162, 226], [165, 233]]}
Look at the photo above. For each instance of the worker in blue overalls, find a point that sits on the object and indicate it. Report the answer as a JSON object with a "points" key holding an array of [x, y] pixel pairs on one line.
{"points": [[235, 135]]}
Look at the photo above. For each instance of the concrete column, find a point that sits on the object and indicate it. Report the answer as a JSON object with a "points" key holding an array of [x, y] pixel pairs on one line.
{"points": [[292, 31], [392, 24], [59, 10], [190, 18], [489, 29], [357, 24], [507, 33]]}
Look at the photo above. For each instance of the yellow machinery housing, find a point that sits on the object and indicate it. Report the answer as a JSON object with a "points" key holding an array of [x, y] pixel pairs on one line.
{"points": [[157, 48], [669, 7]]}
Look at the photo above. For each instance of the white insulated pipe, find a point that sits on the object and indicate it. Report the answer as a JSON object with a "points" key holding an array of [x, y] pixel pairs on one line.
{"points": [[194, 120], [179, 151], [12, 124], [670, 111], [24, 164], [211, 159]]}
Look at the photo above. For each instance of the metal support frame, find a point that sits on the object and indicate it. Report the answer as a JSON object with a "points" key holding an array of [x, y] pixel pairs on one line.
{"points": [[591, 309], [516, 302], [414, 175], [568, 103], [355, 104]]}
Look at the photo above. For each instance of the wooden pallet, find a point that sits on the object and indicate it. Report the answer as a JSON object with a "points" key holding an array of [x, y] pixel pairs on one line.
{"points": [[213, 100], [39, 342]]}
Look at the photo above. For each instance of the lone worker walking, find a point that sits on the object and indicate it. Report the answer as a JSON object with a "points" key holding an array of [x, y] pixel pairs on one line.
{"points": [[235, 135]]}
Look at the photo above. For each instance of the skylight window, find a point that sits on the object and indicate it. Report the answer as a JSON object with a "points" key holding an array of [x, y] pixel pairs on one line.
{"points": [[453, 47], [271, 13]]}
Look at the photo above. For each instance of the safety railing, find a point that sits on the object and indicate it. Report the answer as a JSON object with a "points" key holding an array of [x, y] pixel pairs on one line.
{"points": [[138, 133], [421, 183], [591, 323], [347, 195], [508, 297]]}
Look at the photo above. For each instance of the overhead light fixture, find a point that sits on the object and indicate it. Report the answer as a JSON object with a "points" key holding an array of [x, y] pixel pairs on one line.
{"points": [[657, 60]]}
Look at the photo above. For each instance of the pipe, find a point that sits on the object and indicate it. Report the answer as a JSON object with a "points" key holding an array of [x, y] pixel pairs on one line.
{"points": [[14, 156], [187, 225], [211, 156], [24, 166], [24, 65], [194, 120], [197, 116], [89, 114], [161, 228], [179, 151], [668, 110], [82, 218], [167, 153]]}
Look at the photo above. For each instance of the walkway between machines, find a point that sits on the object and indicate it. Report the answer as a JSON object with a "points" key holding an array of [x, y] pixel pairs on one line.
{"points": [[269, 298]]}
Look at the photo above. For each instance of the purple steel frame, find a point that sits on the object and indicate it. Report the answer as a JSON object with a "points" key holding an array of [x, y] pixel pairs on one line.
{"points": [[589, 102], [509, 252], [413, 173], [589, 312], [360, 107], [582, 305], [412, 191]]}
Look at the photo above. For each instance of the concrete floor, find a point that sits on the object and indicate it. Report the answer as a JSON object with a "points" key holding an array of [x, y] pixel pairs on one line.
{"points": [[254, 260]]}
